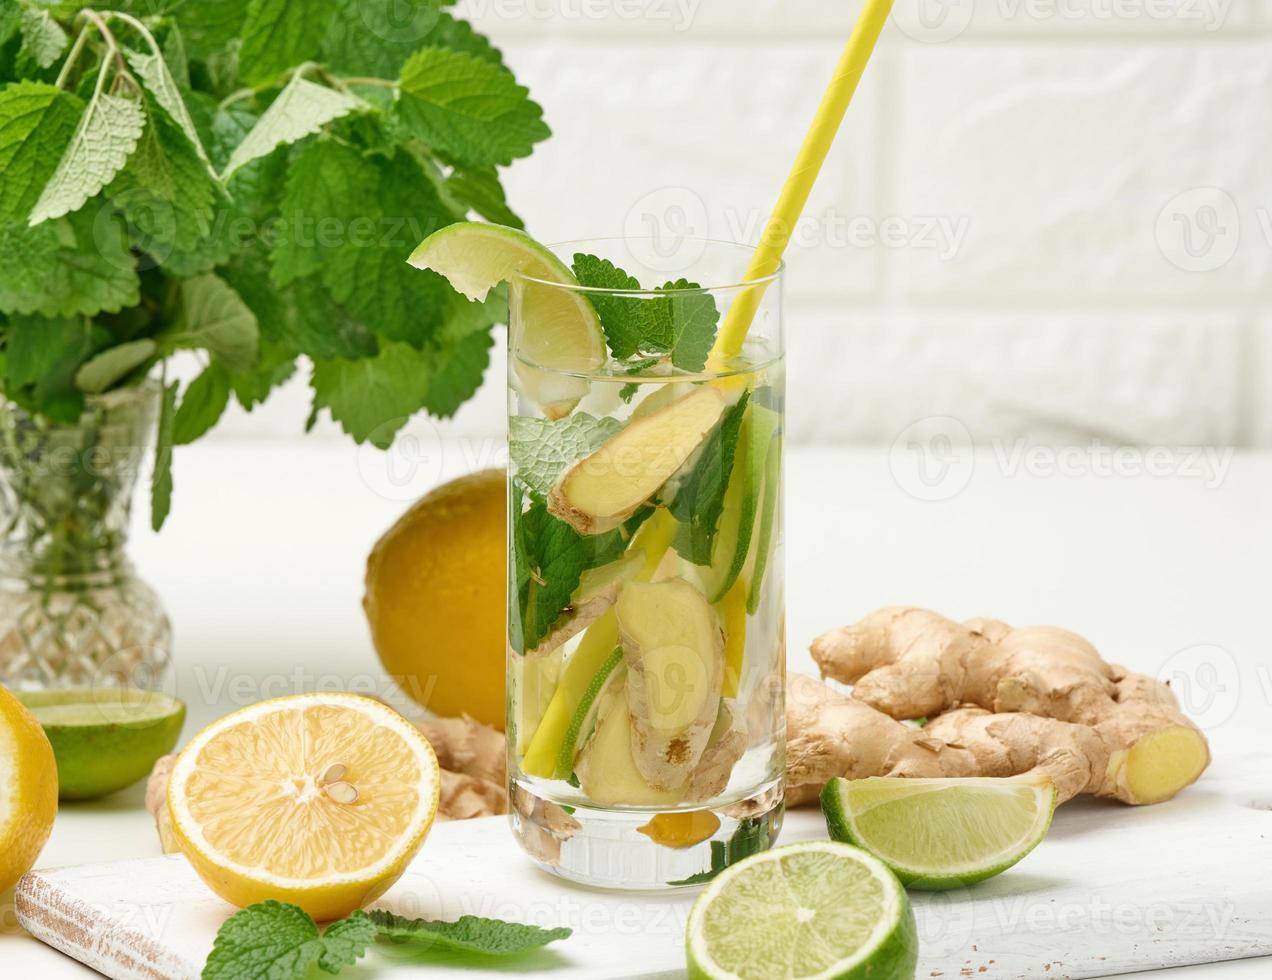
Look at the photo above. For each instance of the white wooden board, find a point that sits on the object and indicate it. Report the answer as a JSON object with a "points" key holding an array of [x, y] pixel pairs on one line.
{"points": [[1112, 890]]}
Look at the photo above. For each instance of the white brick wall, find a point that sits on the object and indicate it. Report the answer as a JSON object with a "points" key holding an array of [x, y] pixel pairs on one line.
{"points": [[1049, 218]]}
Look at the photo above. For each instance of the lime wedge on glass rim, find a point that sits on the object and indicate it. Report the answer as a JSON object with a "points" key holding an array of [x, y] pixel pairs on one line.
{"points": [[557, 339], [937, 834], [818, 909]]}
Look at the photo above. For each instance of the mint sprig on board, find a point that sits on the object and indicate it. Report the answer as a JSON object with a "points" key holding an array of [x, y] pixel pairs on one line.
{"points": [[276, 941], [245, 181]]}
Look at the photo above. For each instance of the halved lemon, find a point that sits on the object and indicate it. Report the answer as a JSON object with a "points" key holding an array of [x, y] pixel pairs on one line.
{"points": [[320, 800], [28, 789], [555, 335]]}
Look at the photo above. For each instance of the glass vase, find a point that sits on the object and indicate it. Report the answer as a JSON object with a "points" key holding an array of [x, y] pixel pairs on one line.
{"points": [[73, 614], [646, 660]]}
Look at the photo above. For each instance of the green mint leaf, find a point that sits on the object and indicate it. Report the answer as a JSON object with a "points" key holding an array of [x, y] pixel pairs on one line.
{"points": [[172, 49], [549, 557], [42, 36], [542, 449], [274, 365], [302, 316], [372, 398], [155, 76], [43, 355], [278, 34], [355, 219], [346, 941], [316, 325], [9, 16], [699, 498], [161, 478], [328, 182], [76, 265], [214, 318], [681, 320], [468, 108], [301, 109], [36, 123], [470, 934], [266, 941], [371, 277], [620, 315], [201, 405], [111, 365], [208, 25], [166, 195], [106, 136], [686, 319], [478, 189], [628, 392], [375, 37], [461, 353]]}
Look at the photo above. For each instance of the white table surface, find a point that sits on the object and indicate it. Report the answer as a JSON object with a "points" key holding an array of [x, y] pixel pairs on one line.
{"points": [[261, 569]]}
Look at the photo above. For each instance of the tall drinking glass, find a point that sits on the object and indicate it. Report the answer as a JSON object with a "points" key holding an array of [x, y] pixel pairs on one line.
{"points": [[646, 611]]}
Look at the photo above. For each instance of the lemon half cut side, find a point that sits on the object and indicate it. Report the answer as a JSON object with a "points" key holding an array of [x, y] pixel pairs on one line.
{"points": [[320, 800]]}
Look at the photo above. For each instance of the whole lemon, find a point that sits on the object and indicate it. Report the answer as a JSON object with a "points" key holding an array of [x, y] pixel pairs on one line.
{"points": [[28, 789], [435, 591]]}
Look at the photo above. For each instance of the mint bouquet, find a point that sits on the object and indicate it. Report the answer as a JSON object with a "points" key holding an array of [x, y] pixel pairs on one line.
{"points": [[245, 179]]}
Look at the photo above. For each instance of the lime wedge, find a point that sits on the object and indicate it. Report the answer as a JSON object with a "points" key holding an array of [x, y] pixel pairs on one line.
{"points": [[765, 538], [732, 546], [815, 909], [941, 833], [105, 738], [585, 714], [556, 337]]}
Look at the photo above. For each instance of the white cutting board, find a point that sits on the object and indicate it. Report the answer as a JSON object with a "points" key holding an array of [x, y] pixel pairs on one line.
{"points": [[1111, 890]]}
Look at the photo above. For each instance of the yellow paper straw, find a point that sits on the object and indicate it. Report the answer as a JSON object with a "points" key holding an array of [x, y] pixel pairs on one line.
{"points": [[830, 115]]}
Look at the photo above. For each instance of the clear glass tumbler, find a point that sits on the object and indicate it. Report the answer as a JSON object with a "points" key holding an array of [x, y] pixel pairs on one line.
{"points": [[646, 657]]}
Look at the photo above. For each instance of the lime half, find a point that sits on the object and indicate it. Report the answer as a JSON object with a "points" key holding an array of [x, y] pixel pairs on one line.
{"points": [[105, 738], [941, 833], [556, 336], [818, 909]]}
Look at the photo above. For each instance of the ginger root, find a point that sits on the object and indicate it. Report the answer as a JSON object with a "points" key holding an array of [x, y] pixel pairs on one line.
{"points": [[472, 757], [674, 649], [1001, 702], [602, 490]]}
